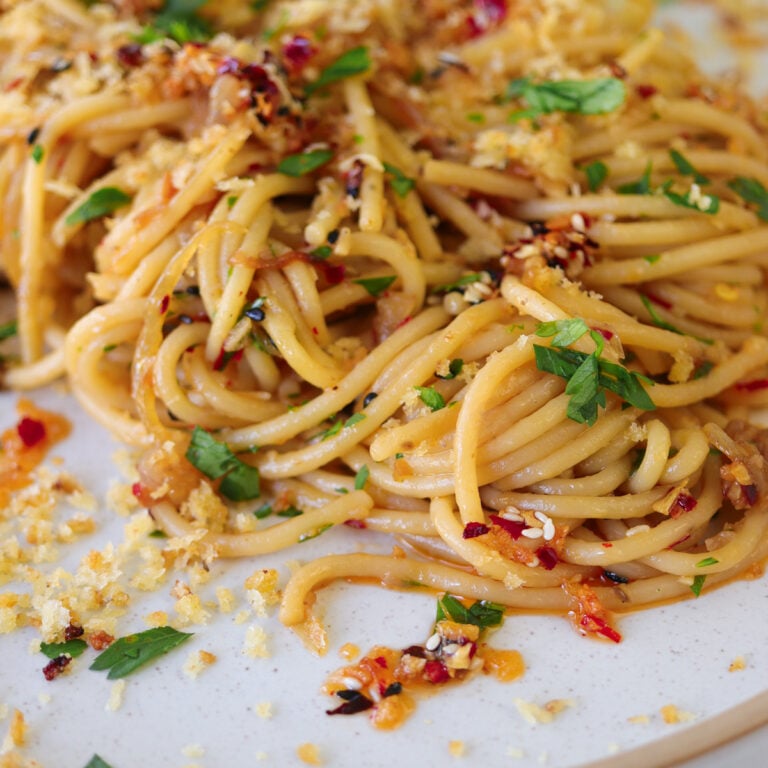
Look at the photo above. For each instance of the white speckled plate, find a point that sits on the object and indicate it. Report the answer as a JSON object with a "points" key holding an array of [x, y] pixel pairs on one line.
{"points": [[677, 654]]}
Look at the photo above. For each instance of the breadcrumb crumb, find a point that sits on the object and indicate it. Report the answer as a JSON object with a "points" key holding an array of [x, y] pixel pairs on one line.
{"points": [[309, 754], [116, 694], [456, 748]]}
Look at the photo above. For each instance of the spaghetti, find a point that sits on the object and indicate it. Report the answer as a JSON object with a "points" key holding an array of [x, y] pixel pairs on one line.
{"points": [[489, 277]]}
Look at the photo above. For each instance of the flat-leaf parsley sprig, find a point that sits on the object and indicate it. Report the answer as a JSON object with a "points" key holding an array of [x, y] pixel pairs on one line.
{"points": [[588, 375]]}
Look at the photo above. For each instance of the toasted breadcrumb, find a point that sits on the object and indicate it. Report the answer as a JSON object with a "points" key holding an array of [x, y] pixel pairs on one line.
{"points": [[116, 694], [226, 599], [264, 710], [456, 748], [533, 713], [192, 750], [17, 732], [309, 754], [672, 715], [639, 719], [255, 644], [261, 590], [349, 651], [738, 664], [197, 661]]}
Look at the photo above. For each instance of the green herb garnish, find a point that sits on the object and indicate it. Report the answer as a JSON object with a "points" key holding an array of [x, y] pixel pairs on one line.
{"points": [[752, 191], [353, 62], [290, 511], [588, 376], [583, 97], [455, 367], [215, 460], [400, 183], [361, 478], [707, 561], [711, 203], [11, 328], [37, 153], [355, 418], [431, 398], [698, 583], [321, 252], [563, 332], [97, 762], [656, 319], [596, 174], [640, 187], [314, 534], [376, 285], [460, 283], [481, 613], [178, 20], [304, 162], [100, 203], [129, 653], [685, 168], [71, 648]]}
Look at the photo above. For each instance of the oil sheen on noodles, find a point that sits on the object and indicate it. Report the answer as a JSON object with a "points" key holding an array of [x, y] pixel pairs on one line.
{"points": [[488, 277]]}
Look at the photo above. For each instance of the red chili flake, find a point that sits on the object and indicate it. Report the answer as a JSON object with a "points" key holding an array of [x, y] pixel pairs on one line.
{"points": [[605, 333], [297, 52], [750, 493], [514, 528], [683, 503], [359, 524], [381, 661], [593, 623], [645, 91], [333, 273], [472, 530], [31, 431], [404, 321], [137, 489], [221, 362], [487, 14], [354, 702], [15, 83], [752, 386], [606, 544], [416, 651], [679, 541], [436, 672], [56, 666], [130, 55], [547, 557], [164, 304], [314, 330], [72, 631]]}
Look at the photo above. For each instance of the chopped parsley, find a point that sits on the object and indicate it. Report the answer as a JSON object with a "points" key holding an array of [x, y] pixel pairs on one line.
{"points": [[640, 187], [698, 583], [355, 418], [179, 20], [751, 191], [290, 511], [704, 203], [354, 62], [314, 534], [8, 329], [685, 168], [431, 398], [97, 762], [707, 561], [588, 375], [100, 203], [73, 648], [361, 478], [376, 285], [37, 153], [656, 319], [455, 367], [304, 162], [583, 97], [481, 613], [596, 174], [460, 283], [215, 459], [400, 183], [129, 653], [321, 252]]}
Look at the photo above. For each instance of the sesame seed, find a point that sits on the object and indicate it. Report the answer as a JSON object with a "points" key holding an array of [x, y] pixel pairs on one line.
{"points": [[512, 513], [541, 517], [373, 692], [352, 683], [533, 533], [549, 530], [433, 643], [578, 223], [451, 648]]}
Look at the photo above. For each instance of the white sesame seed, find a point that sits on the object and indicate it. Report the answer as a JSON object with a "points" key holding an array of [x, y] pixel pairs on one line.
{"points": [[512, 513], [352, 683], [578, 223], [451, 648], [533, 533], [433, 642], [541, 517], [549, 530], [373, 692]]}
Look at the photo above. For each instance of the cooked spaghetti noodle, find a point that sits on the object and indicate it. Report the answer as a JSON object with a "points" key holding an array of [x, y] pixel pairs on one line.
{"points": [[489, 277]]}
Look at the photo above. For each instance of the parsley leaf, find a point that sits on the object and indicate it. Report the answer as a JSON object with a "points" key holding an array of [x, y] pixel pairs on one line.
{"points": [[563, 332], [704, 204], [685, 168], [214, 459], [129, 653], [314, 534], [583, 97], [37, 153], [334, 429], [102, 202], [460, 283], [400, 183], [640, 187], [8, 329], [321, 252], [290, 511], [361, 478], [355, 418], [353, 62], [455, 367], [97, 762], [482, 613], [707, 561], [596, 174], [698, 583], [658, 321], [178, 20], [376, 285], [752, 191], [304, 162], [431, 398], [72, 648]]}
